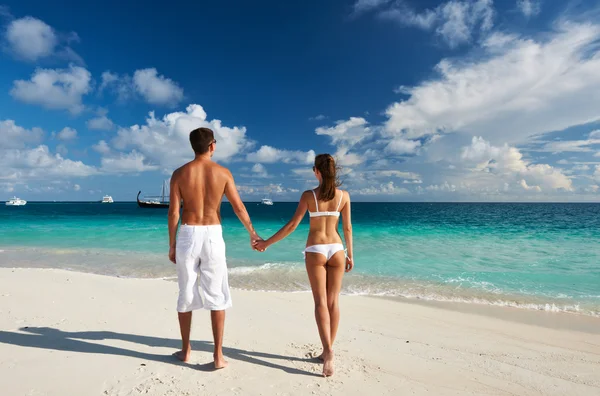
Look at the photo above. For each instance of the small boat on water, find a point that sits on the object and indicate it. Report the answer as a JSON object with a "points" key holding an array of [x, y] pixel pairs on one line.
{"points": [[267, 201], [107, 199], [155, 202], [16, 202]]}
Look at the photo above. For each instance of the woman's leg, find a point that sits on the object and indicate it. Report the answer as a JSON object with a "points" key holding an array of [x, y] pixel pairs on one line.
{"points": [[317, 275], [335, 273]]}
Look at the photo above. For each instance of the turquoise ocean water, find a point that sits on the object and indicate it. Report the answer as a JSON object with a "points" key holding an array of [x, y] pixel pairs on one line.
{"points": [[540, 256]]}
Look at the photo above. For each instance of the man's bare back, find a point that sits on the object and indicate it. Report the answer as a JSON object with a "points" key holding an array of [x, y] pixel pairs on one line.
{"points": [[201, 184]]}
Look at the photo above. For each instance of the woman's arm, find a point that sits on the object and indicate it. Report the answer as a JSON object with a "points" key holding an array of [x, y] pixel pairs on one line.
{"points": [[347, 224], [289, 227]]}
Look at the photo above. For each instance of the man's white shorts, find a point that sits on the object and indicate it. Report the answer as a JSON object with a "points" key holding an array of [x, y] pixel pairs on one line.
{"points": [[202, 269]]}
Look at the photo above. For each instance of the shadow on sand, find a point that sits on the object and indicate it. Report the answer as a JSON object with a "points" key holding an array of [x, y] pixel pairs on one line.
{"points": [[55, 339]]}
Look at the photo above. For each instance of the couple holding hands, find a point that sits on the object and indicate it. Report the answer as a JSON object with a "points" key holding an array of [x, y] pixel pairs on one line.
{"points": [[197, 248]]}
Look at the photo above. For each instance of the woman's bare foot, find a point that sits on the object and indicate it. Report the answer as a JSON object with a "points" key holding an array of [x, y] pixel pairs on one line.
{"points": [[220, 362], [320, 357], [328, 364], [184, 356]]}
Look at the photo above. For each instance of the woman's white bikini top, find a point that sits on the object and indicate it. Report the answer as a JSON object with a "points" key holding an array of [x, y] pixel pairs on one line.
{"points": [[319, 214]]}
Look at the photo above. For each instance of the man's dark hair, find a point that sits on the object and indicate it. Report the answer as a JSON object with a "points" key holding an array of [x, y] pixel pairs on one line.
{"points": [[201, 139]]}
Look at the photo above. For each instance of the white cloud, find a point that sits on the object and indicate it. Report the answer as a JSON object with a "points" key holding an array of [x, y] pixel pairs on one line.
{"points": [[108, 78], [20, 162], [304, 174], [388, 188], [562, 146], [157, 89], [506, 164], [270, 189], [594, 134], [271, 155], [40, 164], [320, 117], [122, 86], [529, 8], [62, 150], [369, 175], [581, 167], [279, 189], [367, 5], [7, 187], [76, 187], [396, 173], [402, 146], [525, 186], [101, 147], [596, 174], [5, 12], [133, 162], [259, 170], [55, 88], [345, 135], [455, 21], [146, 83], [100, 123], [31, 39], [528, 88], [14, 136], [165, 142], [442, 187], [67, 134], [344, 158]]}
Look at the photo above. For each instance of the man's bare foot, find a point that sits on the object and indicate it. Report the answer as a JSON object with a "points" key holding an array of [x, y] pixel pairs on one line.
{"points": [[220, 362], [184, 356], [328, 364]]}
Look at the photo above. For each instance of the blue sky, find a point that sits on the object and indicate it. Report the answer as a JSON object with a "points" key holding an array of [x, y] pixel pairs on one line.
{"points": [[419, 100]]}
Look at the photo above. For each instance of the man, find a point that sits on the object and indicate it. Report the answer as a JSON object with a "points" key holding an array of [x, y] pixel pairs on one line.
{"points": [[198, 249]]}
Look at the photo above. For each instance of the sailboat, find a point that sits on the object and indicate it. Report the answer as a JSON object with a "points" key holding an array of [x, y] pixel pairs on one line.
{"points": [[155, 202]]}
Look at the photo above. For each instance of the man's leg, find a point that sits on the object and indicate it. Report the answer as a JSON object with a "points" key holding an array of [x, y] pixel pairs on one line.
{"points": [[218, 326], [187, 262], [185, 325]]}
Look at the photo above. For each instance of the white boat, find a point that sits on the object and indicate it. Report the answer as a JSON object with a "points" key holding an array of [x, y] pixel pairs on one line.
{"points": [[16, 202], [107, 199], [267, 201]]}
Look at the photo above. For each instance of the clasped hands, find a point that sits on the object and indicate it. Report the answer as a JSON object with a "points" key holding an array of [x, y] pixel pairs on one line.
{"points": [[258, 244]]}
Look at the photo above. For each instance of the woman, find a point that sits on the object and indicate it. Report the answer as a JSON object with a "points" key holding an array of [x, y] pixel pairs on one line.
{"points": [[324, 253]]}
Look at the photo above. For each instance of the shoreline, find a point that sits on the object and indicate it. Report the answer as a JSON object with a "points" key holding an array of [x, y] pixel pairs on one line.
{"points": [[290, 276], [558, 319], [70, 333], [258, 278]]}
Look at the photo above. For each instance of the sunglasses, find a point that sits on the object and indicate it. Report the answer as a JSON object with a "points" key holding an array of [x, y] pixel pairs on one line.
{"points": [[213, 142]]}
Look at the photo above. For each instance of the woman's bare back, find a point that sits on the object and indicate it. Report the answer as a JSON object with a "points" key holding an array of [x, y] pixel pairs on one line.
{"points": [[324, 229]]}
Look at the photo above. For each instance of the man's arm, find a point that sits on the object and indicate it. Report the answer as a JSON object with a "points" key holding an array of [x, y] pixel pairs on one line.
{"points": [[174, 207], [238, 206]]}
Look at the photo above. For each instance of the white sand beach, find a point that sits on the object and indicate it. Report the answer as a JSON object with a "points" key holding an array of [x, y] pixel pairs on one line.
{"points": [[67, 333]]}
